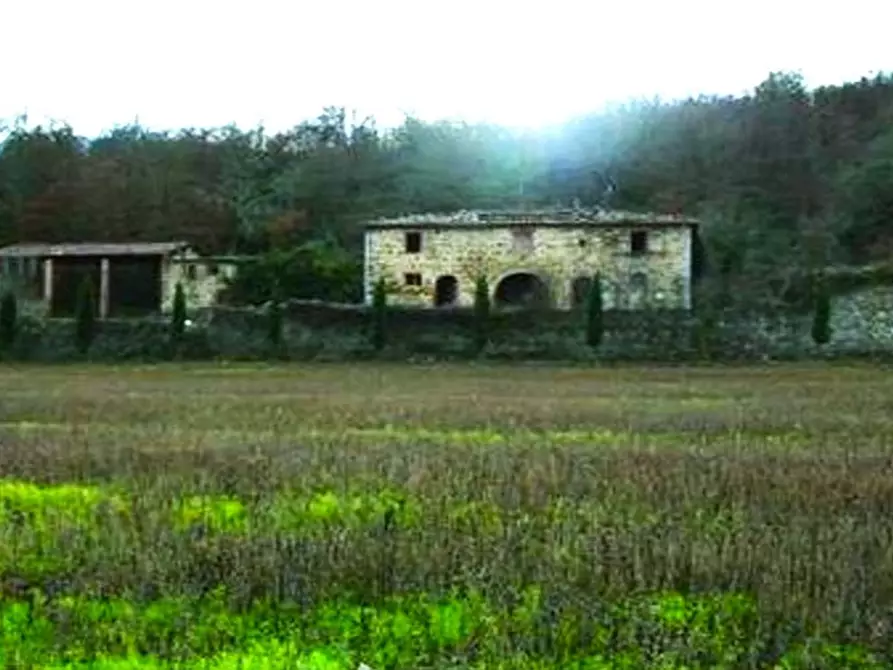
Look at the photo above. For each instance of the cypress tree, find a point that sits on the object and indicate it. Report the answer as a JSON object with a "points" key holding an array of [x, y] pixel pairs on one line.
{"points": [[379, 314], [821, 321], [274, 325], [481, 313], [85, 316], [8, 320], [594, 318], [178, 314]]}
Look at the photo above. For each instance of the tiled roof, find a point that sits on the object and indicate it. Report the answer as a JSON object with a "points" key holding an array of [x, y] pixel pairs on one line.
{"points": [[543, 217]]}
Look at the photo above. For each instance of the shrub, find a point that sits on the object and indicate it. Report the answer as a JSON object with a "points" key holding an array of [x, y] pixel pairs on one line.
{"points": [[481, 313], [594, 322], [85, 316]]}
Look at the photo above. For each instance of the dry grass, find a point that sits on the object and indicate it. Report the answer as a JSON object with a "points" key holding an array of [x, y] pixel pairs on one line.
{"points": [[595, 484]]}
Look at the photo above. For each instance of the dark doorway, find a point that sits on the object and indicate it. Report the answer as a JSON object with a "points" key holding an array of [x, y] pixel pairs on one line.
{"points": [[134, 285], [446, 291], [522, 289], [68, 275], [580, 291]]}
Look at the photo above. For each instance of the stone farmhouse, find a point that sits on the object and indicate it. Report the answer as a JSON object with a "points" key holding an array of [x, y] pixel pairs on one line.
{"points": [[543, 258], [129, 279]]}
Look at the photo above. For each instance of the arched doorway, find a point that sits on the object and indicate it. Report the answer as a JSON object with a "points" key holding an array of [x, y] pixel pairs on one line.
{"points": [[580, 288], [446, 291], [521, 289]]}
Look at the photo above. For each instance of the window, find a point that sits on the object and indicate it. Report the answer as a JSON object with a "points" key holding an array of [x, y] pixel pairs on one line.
{"points": [[413, 242], [213, 269], [191, 272], [638, 242], [522, 240], [412, 279]]}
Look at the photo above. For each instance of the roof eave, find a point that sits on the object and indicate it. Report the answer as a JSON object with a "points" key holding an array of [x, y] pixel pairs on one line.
{"points": [[88, 249], [484, 225]]}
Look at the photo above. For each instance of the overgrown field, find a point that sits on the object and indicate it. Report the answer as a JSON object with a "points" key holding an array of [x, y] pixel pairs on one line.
{"points": [[446, 517]]}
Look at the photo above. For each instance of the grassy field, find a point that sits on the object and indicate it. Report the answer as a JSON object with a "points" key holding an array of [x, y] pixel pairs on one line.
{"points": [[321, 516]]}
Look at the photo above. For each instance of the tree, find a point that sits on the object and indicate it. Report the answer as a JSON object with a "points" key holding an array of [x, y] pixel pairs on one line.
{"points": [[481, 313], [317, 270], [778, 166], [178, 315], [85, 316], [594, 320], [821, 321], [379, 314], [8, 320]]}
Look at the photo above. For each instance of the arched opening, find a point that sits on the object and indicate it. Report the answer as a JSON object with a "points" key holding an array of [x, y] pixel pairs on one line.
{"points": [[580, 288], [446, 291], [521, 289]]}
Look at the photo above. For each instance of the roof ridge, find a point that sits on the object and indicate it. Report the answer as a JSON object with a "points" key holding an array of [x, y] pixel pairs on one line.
{"points": [[543, 216]]}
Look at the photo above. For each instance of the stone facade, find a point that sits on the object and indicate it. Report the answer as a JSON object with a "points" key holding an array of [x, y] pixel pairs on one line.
{"points": [[547, 257], [202, 278]]}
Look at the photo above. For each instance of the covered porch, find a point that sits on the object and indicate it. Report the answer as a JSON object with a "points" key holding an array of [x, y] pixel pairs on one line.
{"points": [[127, 278]]}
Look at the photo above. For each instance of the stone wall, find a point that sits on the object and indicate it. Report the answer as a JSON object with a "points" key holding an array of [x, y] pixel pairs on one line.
{"points": [[862, 320], [862, 325], [556, 254]]}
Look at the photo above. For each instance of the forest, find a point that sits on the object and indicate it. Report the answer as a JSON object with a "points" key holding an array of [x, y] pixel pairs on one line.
{"points": [[785, 179]]}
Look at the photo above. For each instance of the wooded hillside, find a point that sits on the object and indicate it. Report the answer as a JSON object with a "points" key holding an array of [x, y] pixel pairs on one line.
{"points": [[784, 178]]}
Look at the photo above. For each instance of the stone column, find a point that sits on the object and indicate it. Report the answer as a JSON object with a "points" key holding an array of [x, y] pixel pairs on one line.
{"points": [[104, 288], [48, 282]]}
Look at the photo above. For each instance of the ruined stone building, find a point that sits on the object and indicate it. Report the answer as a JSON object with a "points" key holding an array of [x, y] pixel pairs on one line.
{"points": [[544, 258]]}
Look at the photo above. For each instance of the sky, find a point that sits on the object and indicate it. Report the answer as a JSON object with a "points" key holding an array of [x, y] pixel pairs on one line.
{"points": [[170, 64]]}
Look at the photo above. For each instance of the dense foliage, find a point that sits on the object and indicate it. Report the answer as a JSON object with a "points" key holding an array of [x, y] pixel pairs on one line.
{"points": [[785, 178]]}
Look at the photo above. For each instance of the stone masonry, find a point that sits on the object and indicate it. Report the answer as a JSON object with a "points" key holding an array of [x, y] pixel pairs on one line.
{"points": [[202, 279], [431, 260]]}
